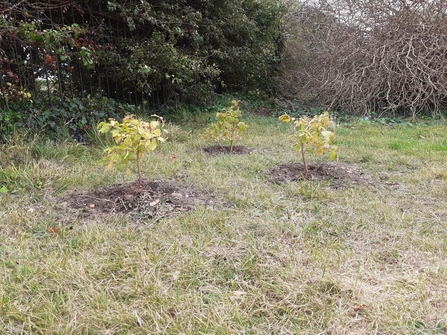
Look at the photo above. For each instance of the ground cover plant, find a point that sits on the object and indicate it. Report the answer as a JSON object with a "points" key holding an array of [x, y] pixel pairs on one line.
{"points": [[282, 258]]}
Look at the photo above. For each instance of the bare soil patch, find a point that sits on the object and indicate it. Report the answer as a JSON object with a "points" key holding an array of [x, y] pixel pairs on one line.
{"points": [[336, 175], [219, 149], [154, 199]]}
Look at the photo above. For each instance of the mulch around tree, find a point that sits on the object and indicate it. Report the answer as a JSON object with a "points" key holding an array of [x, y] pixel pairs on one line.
{"points": [[157, 199], [153, 200], [220, 149], [336, 175]]}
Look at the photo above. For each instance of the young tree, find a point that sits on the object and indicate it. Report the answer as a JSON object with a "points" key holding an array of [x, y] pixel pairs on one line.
{"points": [[228, 126], [134, 138], [313, 135]]}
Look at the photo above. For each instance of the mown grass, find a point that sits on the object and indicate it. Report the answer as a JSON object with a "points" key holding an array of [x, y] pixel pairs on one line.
{"points": [[297, 258]]}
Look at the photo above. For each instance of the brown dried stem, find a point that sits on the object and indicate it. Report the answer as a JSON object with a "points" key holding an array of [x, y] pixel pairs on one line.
{"points": [[374, 55]]}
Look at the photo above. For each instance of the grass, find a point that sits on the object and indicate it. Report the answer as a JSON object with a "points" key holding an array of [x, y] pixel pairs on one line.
{"points": [[298, 258]]}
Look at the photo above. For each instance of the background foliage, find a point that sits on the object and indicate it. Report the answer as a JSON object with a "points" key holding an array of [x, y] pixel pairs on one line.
{"points": [[60, 58], [135, 52]]}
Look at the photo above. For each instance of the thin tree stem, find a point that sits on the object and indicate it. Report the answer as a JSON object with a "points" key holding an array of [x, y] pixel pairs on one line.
{"points": [[140, 177], [232, 136], [306, 170]]}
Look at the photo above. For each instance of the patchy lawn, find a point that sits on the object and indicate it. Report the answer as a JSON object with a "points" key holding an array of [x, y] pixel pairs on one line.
{"points": [[228, 243]]}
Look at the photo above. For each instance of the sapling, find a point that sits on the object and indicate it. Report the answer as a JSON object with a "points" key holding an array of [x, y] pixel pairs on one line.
{"points": [[312, 135], [227, 126], [133, 139]]}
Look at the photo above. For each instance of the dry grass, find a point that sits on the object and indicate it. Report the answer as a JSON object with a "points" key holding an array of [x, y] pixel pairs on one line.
{"points": [[286, 259]]}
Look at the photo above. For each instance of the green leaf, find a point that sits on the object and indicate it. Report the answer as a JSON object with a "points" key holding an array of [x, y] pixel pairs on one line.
{"points": [[4, 189], [35, 37]]}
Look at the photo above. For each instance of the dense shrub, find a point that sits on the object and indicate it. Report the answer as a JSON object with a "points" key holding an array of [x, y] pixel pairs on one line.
{"points": [[138, 50], [71, 62], [362, 56]]}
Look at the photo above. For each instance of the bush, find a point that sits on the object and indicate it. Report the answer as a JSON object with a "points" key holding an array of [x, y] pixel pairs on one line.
{"points": [[369, 56], [139, 50]]}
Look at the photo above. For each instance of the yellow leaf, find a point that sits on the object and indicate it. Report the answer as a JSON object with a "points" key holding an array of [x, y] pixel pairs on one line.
{"points": [[285, 118], [154, 124], [152, 145], [326, 134], [333, 155]]}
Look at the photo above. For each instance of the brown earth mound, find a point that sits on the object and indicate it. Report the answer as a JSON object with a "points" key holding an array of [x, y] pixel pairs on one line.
{"points": [[154, 199], [219, 149], [336, 175]]}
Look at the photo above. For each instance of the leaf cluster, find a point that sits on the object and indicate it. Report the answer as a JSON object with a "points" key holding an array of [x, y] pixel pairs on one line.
{"points": [[133, 138], [312, 134], [13, 92], [72, 114], [228, 126]]}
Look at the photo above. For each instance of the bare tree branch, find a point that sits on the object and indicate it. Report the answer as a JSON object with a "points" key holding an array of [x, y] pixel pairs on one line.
{"points": [[364, 55]]}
